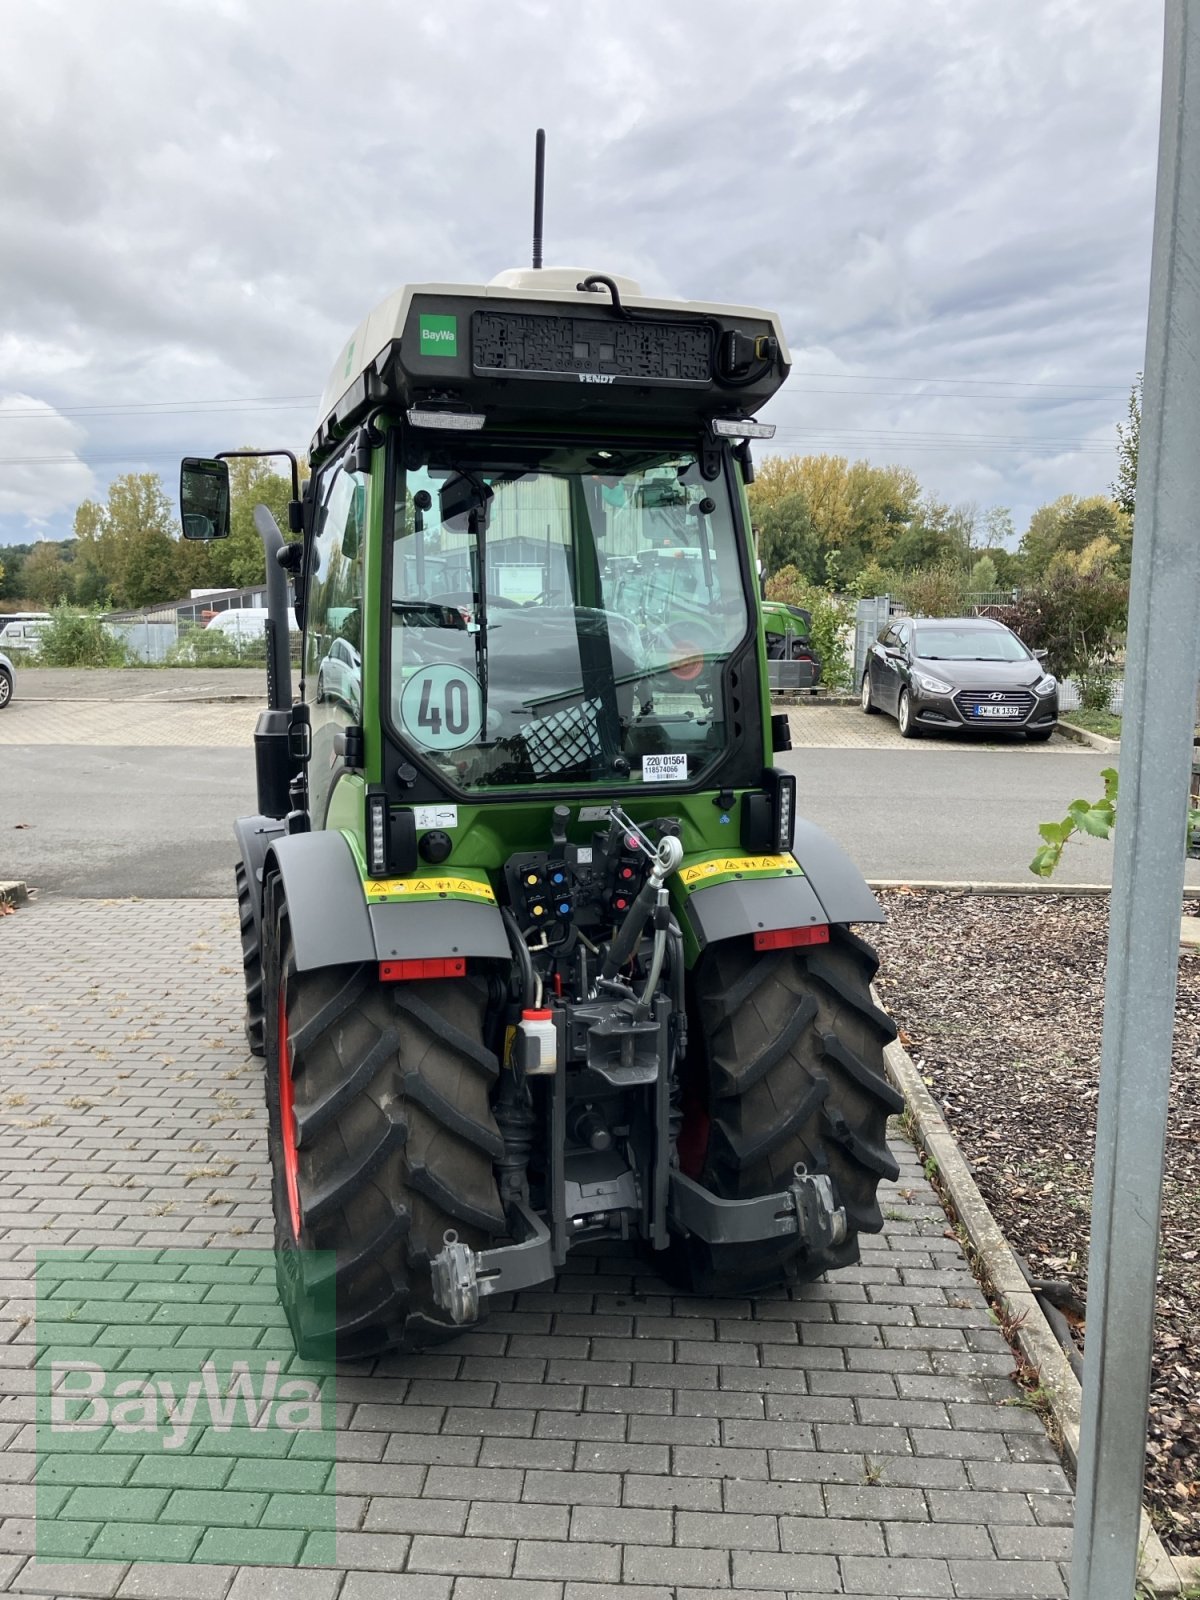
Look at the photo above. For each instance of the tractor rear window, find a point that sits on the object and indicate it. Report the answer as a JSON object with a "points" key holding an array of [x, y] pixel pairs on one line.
{"points": [[561, 615]]}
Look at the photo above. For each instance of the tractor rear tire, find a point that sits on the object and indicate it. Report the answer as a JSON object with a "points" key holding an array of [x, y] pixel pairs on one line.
{"points": [[394, 1144], [790, 1071], [251, 963]]}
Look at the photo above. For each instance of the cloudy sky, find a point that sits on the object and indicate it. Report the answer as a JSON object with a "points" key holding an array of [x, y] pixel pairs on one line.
{"points": [[949, 201]]}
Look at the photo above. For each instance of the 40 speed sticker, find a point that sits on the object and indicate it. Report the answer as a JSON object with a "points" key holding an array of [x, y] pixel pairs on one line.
{"points": [[442, 707]]}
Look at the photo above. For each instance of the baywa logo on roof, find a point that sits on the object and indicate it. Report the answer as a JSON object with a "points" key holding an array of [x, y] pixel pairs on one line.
{"points": [[439, 336]]}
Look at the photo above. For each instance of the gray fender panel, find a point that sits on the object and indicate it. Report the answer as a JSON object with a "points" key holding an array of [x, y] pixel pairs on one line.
{"points": [[255, 836], [752, 905], [438, 928], [836, 881], [332, 924], [326, 908]]}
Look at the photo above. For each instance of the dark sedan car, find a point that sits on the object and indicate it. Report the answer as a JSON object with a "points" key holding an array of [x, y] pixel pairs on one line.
{"points": [[959, 672]]}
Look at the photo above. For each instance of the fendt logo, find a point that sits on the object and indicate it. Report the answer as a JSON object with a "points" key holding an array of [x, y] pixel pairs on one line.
{"points": [[597, 377]]}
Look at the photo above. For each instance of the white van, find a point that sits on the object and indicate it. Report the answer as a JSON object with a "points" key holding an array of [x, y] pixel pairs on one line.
{"points": [[23, 635], [245, 623]]}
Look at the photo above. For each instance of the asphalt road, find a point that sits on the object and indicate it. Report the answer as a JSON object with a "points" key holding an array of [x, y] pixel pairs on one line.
{"points": [[953, 811], [107, 821]]}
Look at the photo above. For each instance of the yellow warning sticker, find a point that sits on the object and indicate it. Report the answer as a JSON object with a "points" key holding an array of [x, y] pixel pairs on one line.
{"points": [[384, 888], [726, 864]]}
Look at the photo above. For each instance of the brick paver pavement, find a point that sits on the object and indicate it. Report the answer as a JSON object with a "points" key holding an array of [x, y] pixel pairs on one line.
{"points": [[115, 722], [825, 727], [602, 1437]]}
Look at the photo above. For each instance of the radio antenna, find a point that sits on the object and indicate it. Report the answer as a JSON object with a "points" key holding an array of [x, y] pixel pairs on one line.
{"points": [[539, 193]]}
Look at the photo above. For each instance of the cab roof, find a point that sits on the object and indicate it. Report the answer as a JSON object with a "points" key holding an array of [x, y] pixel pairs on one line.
{"points": [[463, 345]]}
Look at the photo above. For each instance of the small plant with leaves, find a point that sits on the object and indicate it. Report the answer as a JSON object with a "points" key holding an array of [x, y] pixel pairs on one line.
{"points": [[1095, 817]]}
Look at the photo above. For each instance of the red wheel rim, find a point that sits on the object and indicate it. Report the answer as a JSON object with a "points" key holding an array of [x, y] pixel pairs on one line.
{"points": [[287, 1120]]}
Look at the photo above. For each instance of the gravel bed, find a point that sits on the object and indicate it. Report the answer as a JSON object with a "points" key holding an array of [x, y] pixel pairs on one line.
{"points": [[999, 999]]}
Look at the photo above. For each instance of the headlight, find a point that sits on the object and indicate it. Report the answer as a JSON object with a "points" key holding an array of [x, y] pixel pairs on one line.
{"points": [[1046, 685], [933, 685]]}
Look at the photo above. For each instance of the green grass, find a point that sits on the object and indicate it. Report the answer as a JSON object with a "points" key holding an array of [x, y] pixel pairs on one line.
{"points": [[1105, 722]]}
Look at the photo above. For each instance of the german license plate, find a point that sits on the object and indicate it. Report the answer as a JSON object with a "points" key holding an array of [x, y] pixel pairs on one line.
{"points": [[997, 711]]}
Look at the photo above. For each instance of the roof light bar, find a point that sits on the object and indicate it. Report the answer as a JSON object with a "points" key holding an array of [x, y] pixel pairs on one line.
{"points": [[740, 428], [449, 421]]}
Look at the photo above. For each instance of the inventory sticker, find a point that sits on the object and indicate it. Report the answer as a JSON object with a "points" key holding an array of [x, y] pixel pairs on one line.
{"points": [[383, 888], [664, 769], [726, 864]]}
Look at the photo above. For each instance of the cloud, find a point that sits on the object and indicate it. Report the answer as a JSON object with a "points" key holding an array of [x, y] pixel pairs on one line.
{"points": [[41, 473], [201, 200]]}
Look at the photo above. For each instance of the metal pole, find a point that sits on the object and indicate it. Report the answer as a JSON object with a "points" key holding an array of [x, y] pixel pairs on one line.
{"points": [[1143, 949]]}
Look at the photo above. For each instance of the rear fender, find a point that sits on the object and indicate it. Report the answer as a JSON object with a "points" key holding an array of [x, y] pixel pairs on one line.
{"points": [[254, 838], [828, 889], [332, 923]]}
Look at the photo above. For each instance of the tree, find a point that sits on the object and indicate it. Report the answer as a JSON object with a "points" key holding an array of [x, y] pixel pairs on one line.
{"points": [[998, 527], [1128, 437], [1069, 524], [252, 482], [151, 569], [12, 585], [807, 507], [786, 537], [92, 584], [47, 574], [938, 535], [1076, 615], [983, 577], [137, 519]]}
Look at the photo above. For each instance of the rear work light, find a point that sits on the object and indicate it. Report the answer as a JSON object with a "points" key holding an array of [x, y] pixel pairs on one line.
{"points": [[377, 834], [741, 428], [785, 938], [449, 421], [422, 967]]}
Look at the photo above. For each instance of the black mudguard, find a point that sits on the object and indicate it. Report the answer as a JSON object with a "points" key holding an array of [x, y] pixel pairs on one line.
{"points": [[831, 890], [332, 924], [255, 836]]}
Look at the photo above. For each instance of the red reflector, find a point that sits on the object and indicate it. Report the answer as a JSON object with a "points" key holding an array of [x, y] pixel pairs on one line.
{"points": [[424, 967], [784, 938]]}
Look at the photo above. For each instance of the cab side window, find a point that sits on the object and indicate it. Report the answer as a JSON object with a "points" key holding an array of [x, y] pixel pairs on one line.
{"points": [[332, 621]]}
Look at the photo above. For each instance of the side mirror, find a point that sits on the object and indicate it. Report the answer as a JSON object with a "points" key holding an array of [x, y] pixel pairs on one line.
{"points": [[204, 499], [1040, 655]]}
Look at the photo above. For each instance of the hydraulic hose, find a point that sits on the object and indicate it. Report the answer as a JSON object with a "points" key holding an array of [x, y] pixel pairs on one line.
{"points": [[666, 861], [524, 959], [643, 1006]]}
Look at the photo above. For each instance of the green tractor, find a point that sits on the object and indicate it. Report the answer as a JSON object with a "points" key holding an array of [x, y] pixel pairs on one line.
{"points": [[792, 663], [536, 948]]}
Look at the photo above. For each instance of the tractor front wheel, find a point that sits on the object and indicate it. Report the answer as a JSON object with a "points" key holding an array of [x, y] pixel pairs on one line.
{"points": [[789, 1069], [381, 1139]]}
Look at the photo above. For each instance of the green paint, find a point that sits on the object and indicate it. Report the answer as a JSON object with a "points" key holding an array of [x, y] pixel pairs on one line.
{"points": [[438, 335], [174, 1451], [349, 359]]}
